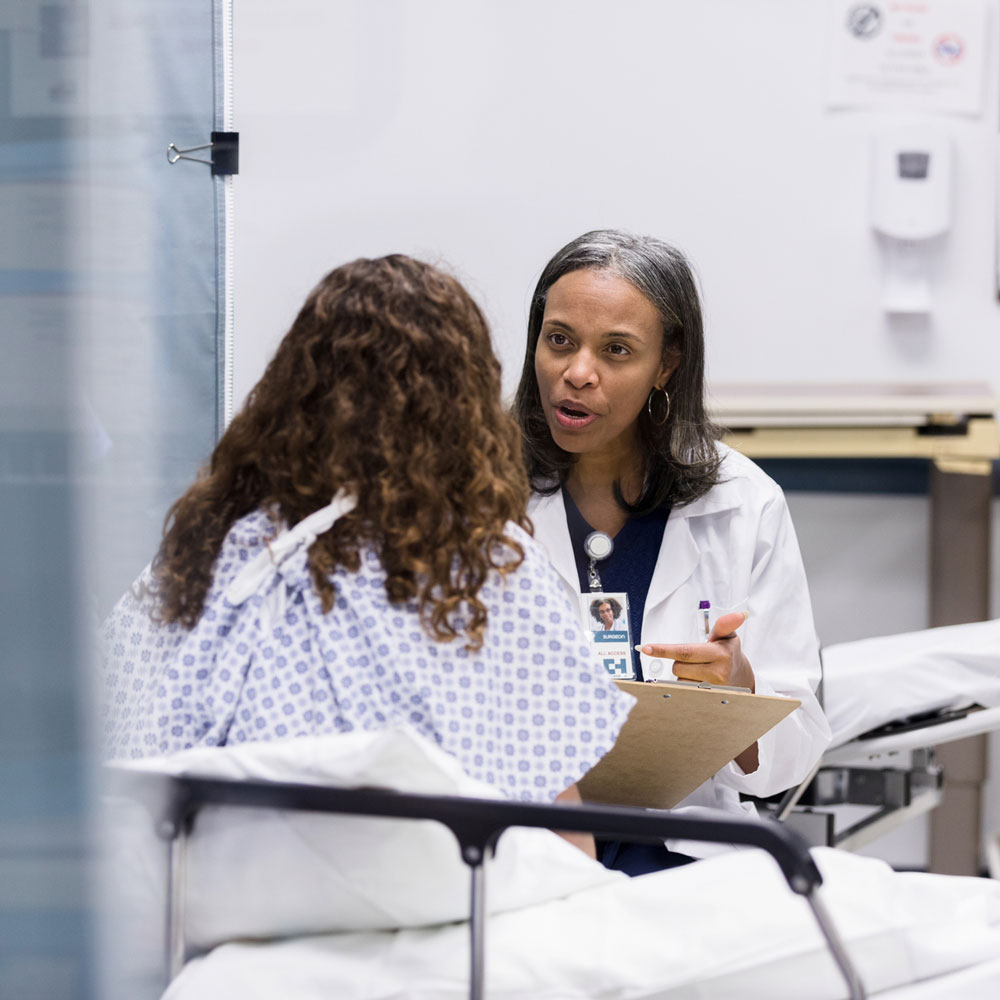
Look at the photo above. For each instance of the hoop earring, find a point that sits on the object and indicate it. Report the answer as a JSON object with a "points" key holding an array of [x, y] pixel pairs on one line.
{"points": [[649, 407]]}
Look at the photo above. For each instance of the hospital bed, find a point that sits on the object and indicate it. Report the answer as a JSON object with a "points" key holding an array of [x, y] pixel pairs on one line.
{"points": [[890, 701], [274, 897]]}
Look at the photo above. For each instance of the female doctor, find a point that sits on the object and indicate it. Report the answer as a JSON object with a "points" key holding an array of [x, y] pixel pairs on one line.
{"points": [[616, 439]]}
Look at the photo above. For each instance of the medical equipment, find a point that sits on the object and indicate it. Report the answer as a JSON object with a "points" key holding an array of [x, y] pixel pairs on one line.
{"points": [[890, 700]]}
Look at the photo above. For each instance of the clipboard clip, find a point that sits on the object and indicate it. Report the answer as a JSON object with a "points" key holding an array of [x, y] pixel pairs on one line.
{"points": [[704, 685], [225, 155]]}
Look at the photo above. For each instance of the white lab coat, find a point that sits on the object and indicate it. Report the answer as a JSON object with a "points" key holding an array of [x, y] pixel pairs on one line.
{"points": [[736, 548]]}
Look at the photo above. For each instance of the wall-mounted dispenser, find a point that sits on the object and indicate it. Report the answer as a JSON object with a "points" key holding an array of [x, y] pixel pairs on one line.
{"points": [[911, 209]]}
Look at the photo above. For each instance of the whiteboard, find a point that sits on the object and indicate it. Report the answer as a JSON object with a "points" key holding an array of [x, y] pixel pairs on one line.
{"points": [[485, 134]]}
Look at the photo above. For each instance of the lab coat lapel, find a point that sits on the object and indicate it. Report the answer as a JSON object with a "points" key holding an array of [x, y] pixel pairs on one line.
{"points": [[548, 515], [680, 551], [679, 554]]}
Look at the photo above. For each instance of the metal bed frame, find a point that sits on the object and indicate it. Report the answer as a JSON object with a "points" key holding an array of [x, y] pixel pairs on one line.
{"points": [[889, 772], [476, 823]]}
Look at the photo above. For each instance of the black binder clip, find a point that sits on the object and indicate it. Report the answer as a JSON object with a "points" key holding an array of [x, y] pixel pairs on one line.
{"points": [[225, 147]]}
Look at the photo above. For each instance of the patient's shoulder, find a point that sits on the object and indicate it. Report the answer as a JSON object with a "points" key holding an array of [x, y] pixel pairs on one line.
{"points": [[535, 570], [250, 533], [533, 553], [246, 537]]}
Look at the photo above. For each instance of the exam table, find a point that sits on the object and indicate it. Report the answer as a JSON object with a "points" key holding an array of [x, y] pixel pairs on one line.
{"points": [[274, 897], [890, 701]]}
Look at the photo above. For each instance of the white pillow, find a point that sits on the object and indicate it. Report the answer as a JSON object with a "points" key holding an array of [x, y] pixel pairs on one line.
{"points": [[262, 873]]}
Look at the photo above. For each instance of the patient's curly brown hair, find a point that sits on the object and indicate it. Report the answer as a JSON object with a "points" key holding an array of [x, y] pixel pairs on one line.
{"points": [[386, 385]]}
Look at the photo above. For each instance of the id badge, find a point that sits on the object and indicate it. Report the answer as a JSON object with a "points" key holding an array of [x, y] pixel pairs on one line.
{"points": [[606, 617]]}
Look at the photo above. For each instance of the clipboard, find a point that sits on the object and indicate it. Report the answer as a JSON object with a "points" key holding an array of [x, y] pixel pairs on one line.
{"points": [[675, 738]]}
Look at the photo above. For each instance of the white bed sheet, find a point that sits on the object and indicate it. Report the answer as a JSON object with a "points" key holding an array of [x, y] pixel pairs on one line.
{"points": [[979, 982], [870, 682], [725, 929], [303, 906]]}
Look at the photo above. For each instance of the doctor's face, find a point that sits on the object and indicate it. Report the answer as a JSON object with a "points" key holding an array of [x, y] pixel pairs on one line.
{"points": [[599, 353], [606, 614]]}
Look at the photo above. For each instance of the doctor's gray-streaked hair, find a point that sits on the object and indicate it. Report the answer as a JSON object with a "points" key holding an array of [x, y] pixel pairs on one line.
{"points": [[681, 461]]}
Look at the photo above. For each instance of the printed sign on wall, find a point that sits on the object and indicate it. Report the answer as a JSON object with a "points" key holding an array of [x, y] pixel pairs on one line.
{"points": [[926, 56]]}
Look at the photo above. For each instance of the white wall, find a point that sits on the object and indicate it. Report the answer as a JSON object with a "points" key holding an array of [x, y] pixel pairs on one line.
{"points": [[487, 134]]}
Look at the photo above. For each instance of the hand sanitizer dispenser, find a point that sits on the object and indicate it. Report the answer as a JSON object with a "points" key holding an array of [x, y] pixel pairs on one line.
{"points": [[911, 207]]}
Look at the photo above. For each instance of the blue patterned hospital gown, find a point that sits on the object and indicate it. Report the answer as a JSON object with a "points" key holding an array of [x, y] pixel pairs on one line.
{"points": [[529, 713]]}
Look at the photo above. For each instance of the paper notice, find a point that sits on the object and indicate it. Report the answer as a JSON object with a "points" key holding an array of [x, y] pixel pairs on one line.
{"points": [[925, 57]]}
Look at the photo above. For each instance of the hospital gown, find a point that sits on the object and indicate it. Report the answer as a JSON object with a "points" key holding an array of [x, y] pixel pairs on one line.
{"points": [[530, 712]]}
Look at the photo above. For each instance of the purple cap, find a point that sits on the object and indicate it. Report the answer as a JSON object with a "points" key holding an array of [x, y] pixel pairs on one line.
{"points": [[702, 605]]}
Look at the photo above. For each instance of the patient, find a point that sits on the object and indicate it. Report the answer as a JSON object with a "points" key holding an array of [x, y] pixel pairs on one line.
{"points": [[408, 590]]}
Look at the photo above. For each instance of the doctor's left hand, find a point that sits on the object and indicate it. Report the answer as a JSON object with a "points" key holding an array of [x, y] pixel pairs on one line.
{"points": [[720, 660]]}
